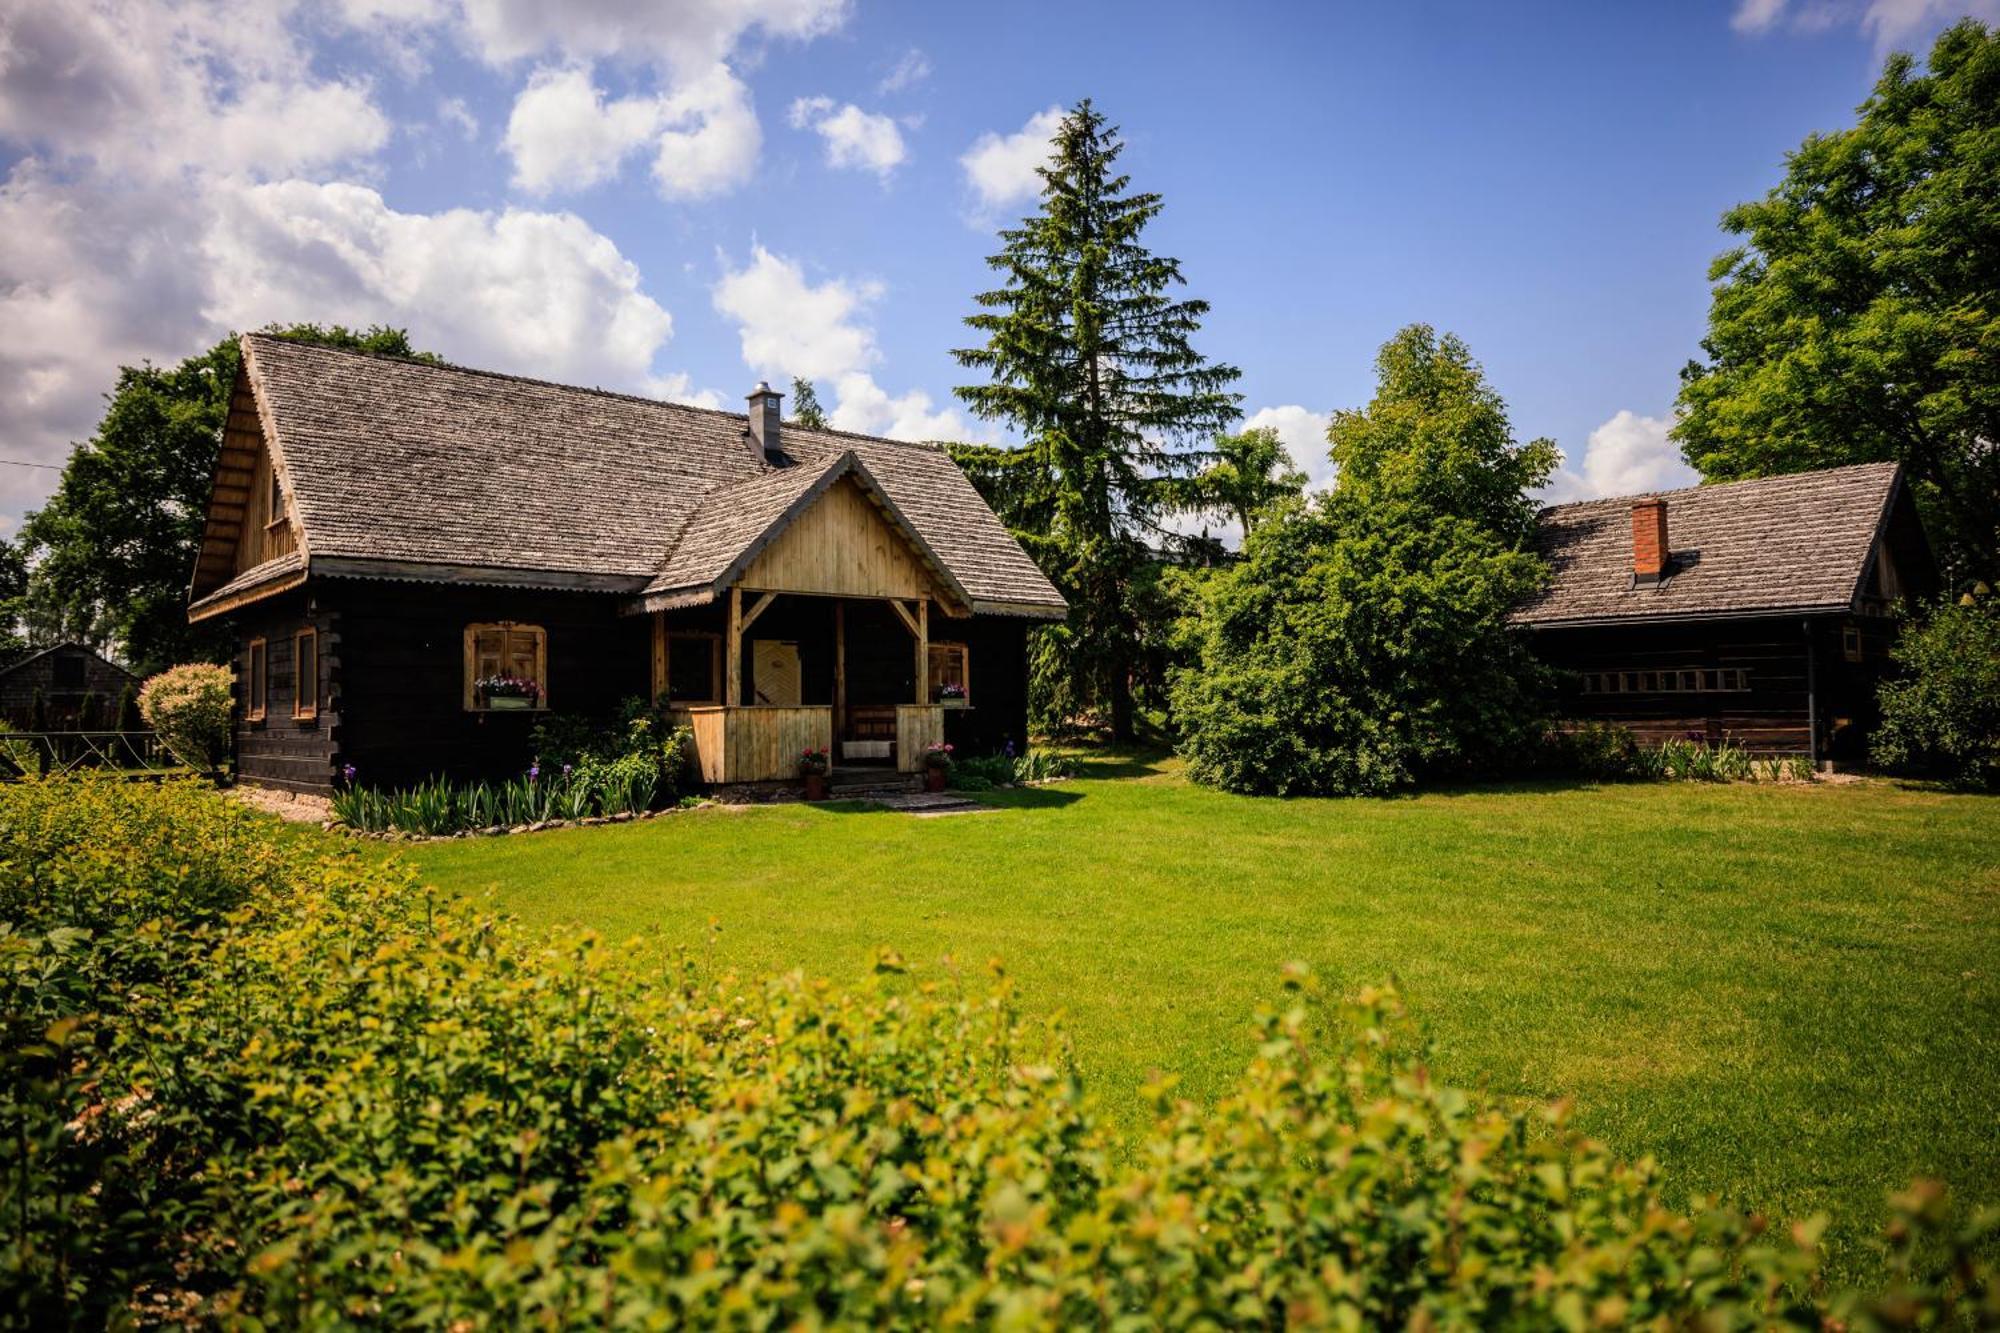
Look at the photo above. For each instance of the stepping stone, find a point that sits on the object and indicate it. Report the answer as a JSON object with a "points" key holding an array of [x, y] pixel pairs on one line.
{"points": [[931, 803]]}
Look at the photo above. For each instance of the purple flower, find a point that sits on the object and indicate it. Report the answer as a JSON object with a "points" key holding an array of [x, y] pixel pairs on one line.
{"points": [[534, 770], [565, 770], [347, 772], [1010, 748]]}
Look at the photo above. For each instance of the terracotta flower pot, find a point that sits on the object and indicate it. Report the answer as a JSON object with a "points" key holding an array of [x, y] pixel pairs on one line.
{"points": [[815, 786], [934, 779]]}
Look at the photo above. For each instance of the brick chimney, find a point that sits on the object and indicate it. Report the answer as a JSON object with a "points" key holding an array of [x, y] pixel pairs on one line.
{"points": [[765, 419], [1649, 540]]}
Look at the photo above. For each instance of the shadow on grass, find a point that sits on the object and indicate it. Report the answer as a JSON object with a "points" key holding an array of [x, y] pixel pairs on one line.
{"points": [[1012, 798]]}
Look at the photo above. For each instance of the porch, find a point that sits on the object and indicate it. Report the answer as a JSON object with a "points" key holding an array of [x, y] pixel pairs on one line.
{"points": [[766, 675]]}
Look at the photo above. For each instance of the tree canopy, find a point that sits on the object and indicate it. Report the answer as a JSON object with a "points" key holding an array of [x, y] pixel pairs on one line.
{"points": [[110, 554], [1859, 320], [1362, 642], [1090, 356]]}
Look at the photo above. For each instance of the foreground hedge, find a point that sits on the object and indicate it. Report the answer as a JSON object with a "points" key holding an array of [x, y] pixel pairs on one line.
{"points": [[250, 1084]]}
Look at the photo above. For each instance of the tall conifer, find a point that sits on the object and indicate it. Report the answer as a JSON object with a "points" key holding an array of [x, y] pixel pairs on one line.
{"points": [[1090, 357]]}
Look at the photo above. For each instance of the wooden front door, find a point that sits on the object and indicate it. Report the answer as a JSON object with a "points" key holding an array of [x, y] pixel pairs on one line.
{"points": [[775, 668]]}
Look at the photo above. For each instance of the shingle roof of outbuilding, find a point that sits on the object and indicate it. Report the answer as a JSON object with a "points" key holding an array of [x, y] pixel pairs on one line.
{"points": [[411, 470], [1778, 544]]}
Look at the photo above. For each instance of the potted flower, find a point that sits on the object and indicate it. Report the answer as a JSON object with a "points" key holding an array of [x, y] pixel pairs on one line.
{"points": [[509, 692], [813, 765], [937, 765]]}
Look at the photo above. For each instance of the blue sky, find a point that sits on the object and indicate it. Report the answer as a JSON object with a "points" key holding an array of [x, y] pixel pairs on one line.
{"points": [[679, 198]]}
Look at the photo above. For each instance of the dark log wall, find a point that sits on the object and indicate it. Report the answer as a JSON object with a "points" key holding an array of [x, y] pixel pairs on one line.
{"points": [[297, 754], [1780, 655], [997, 661], [402, 674]]}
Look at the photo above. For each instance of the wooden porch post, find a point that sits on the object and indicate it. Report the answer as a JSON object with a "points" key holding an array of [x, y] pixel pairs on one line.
{"points": [[734, 697], [923, 650], [839, 668], [659, 656]]}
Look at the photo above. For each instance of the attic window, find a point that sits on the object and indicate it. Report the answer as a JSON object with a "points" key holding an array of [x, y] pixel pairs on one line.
{"points": [[276, 513]]}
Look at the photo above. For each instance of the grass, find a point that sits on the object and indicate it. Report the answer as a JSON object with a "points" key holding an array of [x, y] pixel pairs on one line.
{"points": [[1787, 995]]}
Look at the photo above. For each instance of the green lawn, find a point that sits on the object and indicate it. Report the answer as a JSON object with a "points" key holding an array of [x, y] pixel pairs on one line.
{"points": [[1790, 995]]}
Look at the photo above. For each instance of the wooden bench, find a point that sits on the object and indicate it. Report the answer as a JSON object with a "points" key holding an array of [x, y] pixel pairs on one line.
{"points": [[870, 732]]}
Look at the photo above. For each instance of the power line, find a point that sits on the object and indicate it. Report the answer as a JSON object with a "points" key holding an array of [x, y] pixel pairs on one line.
{"points": [[17, 462]]}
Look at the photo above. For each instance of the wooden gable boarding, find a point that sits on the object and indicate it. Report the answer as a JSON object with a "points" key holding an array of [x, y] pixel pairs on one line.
{"points": [[840, 546], [251, 520]]}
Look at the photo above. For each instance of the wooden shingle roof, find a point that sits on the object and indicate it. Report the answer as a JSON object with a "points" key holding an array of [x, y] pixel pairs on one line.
{"points": [[401, 469], [1776, 545]]}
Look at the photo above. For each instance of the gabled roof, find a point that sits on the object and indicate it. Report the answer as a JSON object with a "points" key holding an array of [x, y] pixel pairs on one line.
{"points": [[67, 646], [1793, 544], [712, 556], [400, 469]]}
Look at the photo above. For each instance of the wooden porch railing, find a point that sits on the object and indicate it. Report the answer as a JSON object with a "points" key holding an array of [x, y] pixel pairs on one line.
{"points": [[758, 743]]}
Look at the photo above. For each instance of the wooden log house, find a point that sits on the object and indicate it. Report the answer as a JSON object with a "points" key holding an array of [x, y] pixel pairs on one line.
{"points": [[1760, 612], [420, 561]]}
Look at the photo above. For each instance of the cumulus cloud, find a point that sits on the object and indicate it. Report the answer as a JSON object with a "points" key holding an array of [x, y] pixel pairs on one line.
{"points": [[171, 184], [564, 134], [134, 87], [854, 138], [1626, 455], [910, 70], [1001, 168], [1303, 433], [540, 293], [790, 326]]}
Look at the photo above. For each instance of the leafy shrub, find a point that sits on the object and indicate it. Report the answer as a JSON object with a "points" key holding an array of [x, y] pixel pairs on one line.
{"points": [[992, 769], [1942, 716], [1600, 750], [189, 706], [1362, 643], [355, 1104], [635, 727], [1043, 766]]}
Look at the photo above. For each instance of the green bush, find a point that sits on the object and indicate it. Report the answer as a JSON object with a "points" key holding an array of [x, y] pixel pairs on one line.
{"points": [[358, 1105], [190, 707], [1600, 750], [1942, 715], [1362, 643]]}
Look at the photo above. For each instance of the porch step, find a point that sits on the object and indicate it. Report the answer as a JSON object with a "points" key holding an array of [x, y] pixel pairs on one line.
{"points": [[931, 803]]}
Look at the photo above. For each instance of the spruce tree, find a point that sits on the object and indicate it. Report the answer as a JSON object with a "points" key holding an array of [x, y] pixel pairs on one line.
{"points": [[806, 410], [1090, 358]]}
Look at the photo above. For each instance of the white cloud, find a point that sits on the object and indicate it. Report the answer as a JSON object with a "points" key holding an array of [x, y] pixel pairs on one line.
{"points": [[854, 138], [152, 89], [454, 112], [538, 293], [790, 326], [865, 407], [910, 70], [691, 34], [1001, 168], [1756, 15], [1303, 433], [1626, 455], [711, 137], [166, 190], [564, 135], [1891, 22]]}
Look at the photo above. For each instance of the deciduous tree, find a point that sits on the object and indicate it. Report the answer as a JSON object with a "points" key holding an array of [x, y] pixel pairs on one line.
{"points": [[110, 554], [1859, 320], [1362, 643]]}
